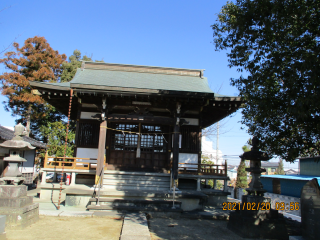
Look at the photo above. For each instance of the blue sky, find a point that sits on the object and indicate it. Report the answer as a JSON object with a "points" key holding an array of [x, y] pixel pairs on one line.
{"points": [[157, 33]]}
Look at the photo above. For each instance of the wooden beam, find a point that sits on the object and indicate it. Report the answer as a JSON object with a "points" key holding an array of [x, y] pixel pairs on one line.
{"points": [[175, 161], [101, 152]]}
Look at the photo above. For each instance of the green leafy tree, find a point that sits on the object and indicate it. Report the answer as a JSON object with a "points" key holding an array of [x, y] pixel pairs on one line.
{"points": [[70, 67], [242, 181], [56, 134], [205, 159], [277, 44], [280, 170]]}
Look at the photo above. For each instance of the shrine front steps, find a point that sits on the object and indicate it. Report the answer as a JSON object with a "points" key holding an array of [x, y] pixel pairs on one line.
{"points": [[126, 181], [133, 205], [190, 200]]}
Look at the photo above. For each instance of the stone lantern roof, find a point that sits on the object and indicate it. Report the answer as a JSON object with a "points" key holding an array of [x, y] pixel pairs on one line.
{"points": [[8, 134], [17, 142]]}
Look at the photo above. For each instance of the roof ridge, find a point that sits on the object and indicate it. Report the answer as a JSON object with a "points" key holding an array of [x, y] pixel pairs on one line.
{"points": [[143, 69]]}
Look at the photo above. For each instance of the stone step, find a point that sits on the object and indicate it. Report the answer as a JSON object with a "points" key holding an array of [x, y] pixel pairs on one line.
{"points": [[133, 209], [133, 181], [132, 204], [136, 178], [111, 172], [132, 201], [129, 187]]}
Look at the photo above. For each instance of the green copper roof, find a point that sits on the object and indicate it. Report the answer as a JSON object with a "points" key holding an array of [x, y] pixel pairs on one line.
{"points": [[135, 79], [140, 80]]}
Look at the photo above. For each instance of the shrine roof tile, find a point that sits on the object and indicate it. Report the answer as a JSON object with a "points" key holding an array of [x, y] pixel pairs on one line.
{"points": [[134, 78], [141, 80]]}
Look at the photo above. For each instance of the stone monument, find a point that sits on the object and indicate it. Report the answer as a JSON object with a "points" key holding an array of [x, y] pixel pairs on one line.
{"points": [[19, 209], [254, 218], [310, 210]]}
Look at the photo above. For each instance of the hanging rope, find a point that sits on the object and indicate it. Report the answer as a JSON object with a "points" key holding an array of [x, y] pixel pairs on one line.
{"points": [[65, 147], [124, 131]]}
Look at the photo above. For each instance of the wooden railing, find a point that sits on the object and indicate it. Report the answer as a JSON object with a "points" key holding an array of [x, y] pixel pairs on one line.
{"points": [[70, 163], [203, 169]]}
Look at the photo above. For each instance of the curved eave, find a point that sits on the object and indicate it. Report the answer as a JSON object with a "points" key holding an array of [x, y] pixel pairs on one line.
{"points": [[89, 89], [49, 86]]}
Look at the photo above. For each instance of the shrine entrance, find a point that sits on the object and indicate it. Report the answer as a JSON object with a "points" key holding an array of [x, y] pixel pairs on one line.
{"points": [[138, 147]]}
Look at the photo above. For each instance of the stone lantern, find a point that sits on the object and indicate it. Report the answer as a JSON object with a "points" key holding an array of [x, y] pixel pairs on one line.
{"points": [[255, 156], [16, 146], [254, 218]]}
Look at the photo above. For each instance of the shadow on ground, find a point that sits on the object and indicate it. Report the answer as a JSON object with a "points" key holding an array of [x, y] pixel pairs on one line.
{"points": [[193, 229]]}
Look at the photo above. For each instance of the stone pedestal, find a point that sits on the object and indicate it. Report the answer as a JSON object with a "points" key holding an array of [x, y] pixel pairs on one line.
{"points": [[19, 208], [265, 223]]}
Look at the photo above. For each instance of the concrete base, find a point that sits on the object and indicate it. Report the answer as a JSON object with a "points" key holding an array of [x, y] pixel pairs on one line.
{"points": [[191, 204], [53, 194], [17, 206], [77, 200], [266, 224], [190, 200], [2, 223], [216, 198]]}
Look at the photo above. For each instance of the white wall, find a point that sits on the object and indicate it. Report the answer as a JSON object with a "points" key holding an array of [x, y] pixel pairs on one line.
{"points": [[188, 158], [87, 115], [28, 166], [207, 149], [192, 121], [87, 153]]}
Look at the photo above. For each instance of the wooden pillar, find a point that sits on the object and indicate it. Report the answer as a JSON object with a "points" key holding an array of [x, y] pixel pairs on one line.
{"points": [[176, 136], [77, 128], [199, 143], [101, 152], [175, 161]]}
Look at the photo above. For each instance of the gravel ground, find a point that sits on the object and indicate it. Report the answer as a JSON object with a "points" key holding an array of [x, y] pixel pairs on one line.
{"points": [[69, 228], [190, 229]]}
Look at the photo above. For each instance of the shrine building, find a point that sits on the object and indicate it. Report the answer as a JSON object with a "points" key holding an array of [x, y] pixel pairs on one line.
{"points": [[138, 119]]}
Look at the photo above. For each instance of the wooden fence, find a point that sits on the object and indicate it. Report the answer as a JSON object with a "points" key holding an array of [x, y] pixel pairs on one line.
{"points": [[70, 163], [203, 169]]}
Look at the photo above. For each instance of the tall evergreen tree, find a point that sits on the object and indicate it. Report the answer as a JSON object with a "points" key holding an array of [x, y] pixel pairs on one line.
{"points": [[242, 181], [280, 170], [70, 67]]}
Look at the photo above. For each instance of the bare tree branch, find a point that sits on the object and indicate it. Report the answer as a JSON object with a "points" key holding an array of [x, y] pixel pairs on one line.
{"points": [[10, 45]]}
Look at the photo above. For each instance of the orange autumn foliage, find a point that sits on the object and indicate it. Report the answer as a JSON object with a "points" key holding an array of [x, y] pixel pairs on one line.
{"points": [[35, 61]]}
